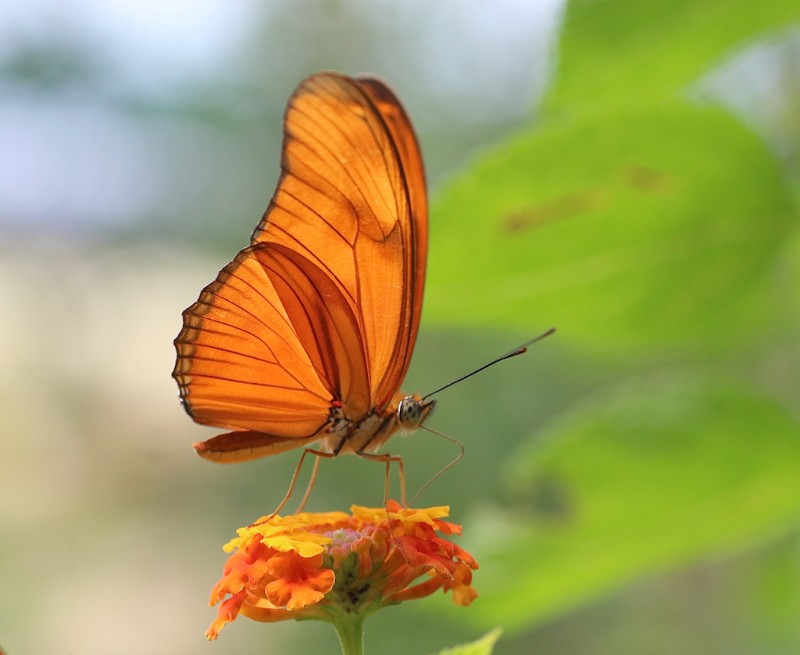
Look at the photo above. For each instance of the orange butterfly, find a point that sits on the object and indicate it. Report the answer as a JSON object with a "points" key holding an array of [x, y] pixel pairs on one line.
{"points": [[305, 337]]}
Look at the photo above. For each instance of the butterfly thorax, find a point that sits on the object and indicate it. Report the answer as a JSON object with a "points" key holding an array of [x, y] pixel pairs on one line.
{"points": [[367, 434]]}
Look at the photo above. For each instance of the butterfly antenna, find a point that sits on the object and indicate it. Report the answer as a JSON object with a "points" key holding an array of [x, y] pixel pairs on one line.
{"points": [[517, 351]]}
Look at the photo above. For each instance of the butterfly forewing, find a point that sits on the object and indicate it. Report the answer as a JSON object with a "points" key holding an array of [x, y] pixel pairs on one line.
{"points": [[351, 173], [320, 314], [414, 227]]}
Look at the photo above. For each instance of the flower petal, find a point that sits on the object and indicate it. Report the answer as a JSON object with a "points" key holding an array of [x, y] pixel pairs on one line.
{"points": [[298, 581]]}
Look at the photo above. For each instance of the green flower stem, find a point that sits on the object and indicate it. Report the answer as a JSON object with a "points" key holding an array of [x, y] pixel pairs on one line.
{"points": [[350, 629]]}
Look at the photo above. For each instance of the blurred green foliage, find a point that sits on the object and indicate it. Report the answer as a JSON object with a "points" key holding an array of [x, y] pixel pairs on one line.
{"points": [[636, 229], [660, 236], [482, 646]]}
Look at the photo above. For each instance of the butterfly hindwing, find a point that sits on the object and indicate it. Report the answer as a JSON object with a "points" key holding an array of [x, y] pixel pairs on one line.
{"points": [[241, 364]]}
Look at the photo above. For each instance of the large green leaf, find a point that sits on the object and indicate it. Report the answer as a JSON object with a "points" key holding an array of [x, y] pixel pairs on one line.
{"points": [[650, 225], [645, 479], [615, 50]]}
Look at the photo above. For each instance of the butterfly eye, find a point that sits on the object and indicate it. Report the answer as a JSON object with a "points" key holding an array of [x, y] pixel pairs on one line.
{"points": [[410, 412]]}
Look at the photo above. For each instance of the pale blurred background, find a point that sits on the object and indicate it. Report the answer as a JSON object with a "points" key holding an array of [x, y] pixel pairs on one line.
{"points": [[140, 146]]}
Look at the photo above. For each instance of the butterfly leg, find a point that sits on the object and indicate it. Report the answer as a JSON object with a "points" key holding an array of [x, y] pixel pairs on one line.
{"points": [[446, 468], [312, 480], [319, 454], [388, 459]]}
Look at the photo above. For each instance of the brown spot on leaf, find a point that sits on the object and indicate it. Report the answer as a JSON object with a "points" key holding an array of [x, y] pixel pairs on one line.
{"points": [[556, 209], [647, 179]]}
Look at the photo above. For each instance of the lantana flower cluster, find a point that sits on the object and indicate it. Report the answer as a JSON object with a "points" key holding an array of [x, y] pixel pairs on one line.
{"points": [[330, 565]]}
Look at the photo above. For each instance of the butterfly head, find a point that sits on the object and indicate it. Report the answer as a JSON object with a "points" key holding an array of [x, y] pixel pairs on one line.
{"points": [[412, 411]]}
